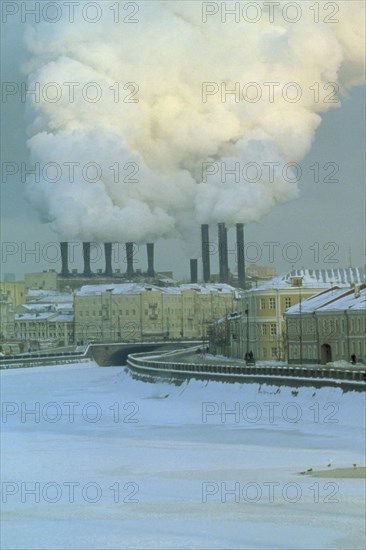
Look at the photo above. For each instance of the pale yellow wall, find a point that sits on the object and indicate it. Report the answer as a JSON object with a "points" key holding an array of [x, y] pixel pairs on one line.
{"points": [[46, 280], [149, 314], [15, 292]]}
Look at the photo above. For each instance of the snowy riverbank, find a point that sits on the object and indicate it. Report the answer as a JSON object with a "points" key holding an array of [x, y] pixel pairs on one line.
{"points": [[115, 463]]}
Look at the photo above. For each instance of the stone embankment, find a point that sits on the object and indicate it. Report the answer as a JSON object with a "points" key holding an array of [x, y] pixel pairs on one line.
{"points": [[189, 364]]}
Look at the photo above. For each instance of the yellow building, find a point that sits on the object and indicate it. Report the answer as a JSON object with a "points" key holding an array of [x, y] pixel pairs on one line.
{"points": [[39, 329], [6, 318], [133, 312], [15, 292], [44, 280], [261, 327]]}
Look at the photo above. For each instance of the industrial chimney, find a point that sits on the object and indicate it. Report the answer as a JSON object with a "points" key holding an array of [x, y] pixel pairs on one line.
{"points": [[194, 271], [223, 254], [241, 254], [129, 257], [205, 240], [64, 259], [86, 256], [150, 260], [108, 259]]}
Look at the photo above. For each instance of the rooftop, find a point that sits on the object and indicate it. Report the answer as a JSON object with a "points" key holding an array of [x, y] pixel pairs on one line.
{"points": [[138, 288], [332, 300], [316, 278]]}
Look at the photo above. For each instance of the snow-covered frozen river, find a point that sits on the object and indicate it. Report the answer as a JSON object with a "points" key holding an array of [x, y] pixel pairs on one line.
{"points": [[93, 459]]}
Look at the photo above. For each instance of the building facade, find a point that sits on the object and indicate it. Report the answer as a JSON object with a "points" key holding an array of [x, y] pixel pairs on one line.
{"points": [[6, 317], [44, 280], [328, 327], [15, 291], [261, 327], [44, 329], [135, 312]]}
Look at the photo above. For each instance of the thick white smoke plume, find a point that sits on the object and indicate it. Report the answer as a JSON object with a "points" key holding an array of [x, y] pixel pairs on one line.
{"points": [[151, 152]]}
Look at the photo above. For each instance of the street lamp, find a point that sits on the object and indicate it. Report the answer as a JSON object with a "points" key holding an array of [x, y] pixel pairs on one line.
{"points": [[300, 332], [247, 314]]}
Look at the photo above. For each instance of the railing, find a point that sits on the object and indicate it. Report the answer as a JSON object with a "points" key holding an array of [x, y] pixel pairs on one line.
{"points": [[142, 362], [41, 359]]}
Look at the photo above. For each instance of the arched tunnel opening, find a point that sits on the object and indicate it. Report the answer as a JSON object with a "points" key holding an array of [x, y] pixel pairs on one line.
{"points": [[119, 357]]}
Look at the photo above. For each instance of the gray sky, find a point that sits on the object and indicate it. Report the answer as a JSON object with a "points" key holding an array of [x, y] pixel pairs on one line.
{"points": [[325, 222]]}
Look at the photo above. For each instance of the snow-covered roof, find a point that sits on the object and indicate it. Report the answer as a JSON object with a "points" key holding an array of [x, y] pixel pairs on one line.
{"points": [[350, 302], [33, 316], [39, 307], [315, 278], [31, 306], [52, 317], [41, 292], [123, 288], [208, 288], [62, 318], [138, 288], [332, 300], [57, 298]]}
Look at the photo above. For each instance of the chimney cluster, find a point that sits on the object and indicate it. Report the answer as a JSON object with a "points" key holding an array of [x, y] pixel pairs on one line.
{"points": [[224, 272], [108, 272]]}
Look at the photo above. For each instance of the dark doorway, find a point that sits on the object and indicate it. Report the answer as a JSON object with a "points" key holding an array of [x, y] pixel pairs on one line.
{"points": [[326, 354]]}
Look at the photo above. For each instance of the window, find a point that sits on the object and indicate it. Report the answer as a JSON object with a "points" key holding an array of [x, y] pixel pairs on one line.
{"points": [[272, 303], [287, 302], [262, 303], [274, 353], [264, 329], [273, 329], [127, 311]]}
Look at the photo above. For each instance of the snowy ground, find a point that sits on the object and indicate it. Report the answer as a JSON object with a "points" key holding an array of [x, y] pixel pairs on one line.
{"points": [[108, 462]]}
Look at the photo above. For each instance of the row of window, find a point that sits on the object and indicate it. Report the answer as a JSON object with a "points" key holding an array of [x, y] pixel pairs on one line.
{"points": [[272, 329], [328, 327], [274, 353], [309, 351], [272, 303]]}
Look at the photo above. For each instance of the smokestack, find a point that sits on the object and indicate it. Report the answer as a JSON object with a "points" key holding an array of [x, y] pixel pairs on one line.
{"points": [[205, 239], [223, 254], [108, 259], [86, 255], [129, 257], [194, 271], [64, 259], [150, 260], [241, 255]]}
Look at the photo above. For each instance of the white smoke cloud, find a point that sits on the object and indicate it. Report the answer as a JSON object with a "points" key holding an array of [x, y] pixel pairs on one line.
{"points": [[170, 132]]}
